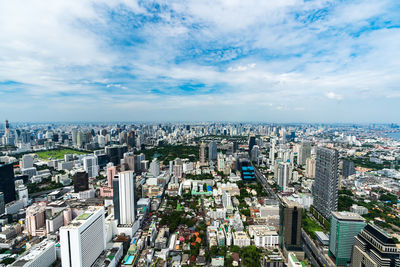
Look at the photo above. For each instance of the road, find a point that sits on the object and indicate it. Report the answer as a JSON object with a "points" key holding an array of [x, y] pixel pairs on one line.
{"points": [[263, 180]]}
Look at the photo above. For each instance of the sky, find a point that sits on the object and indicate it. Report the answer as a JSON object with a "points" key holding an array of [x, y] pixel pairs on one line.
{"points": [[209, 60]]}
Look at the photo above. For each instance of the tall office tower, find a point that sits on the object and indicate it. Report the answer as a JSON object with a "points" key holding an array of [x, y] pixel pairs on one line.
{"points": [[212, 151], [304, 153], [111, 172], [374, 248], [283, 175], [91, 166], [83, 239], [325, 187], [7, 182], [130, 140], [115, 183], [178, 171], [36, 219], [234, 146], [171, 167], [26, 161], [2, 204], [127, 197], [23, 195], [344, 227], [202, 153], [290, 213], [252, 142], [155, 167], [130, 162], [139, 158], [115, 153], [226, 200], [255, 153], [348, 168], [272, 152], [220, 162], [81, 181], [6, 127], [310, 167], [74, 134]]}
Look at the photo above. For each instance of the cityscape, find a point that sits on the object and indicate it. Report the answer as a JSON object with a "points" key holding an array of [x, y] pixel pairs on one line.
{"points": [[174, 133], [200, 194]]}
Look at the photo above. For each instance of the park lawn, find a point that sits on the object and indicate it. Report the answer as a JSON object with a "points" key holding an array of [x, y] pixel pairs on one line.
{"points": [[58, 154]]}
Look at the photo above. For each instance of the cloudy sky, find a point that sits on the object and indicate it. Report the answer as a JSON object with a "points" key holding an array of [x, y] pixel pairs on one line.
{"points": [[231, 60]]}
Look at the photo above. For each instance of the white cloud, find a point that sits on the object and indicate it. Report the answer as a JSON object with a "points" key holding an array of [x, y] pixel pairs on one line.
{"points": [[332, 95]]}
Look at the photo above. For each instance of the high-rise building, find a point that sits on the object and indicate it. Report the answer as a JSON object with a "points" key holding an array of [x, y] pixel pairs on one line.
{"points": [[310, 167], [220, 162], [252, 142], [26, 161], [41, 254], [304, 153], [348, 168], [74, 134], [115, 153], [35, 219], [111, 172], [83, 239], [290, 213], [127, 197], [155, 167], [115, 183], [91, 166], [227, 200], [255, 152], [212, 151], [23, 195], [7, 182], [2, 204], [325, 187], [283, 175], [374, 248], [81, 181], [344, 227], [202, 154]]}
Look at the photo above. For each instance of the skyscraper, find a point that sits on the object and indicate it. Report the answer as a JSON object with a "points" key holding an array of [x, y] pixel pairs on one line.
{"points": [[374, 247], [91, 166], [111, 172], [283, 175], [325, 187], [155, 167], [344, 227], [7, 185], [304, 153], [74, 135], [202, 154], [252, 142], [255, 152], [310, 167], [347, 168], [290, 213], [127, 197], [212, 151], [81, 181], [83, 239], [115, 183]]}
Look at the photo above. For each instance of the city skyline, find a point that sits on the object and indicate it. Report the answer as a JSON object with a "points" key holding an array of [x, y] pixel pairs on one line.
{"points": [[292, 61]]}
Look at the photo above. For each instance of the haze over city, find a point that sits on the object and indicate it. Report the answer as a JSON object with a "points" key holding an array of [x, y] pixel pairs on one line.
{"points": [[275, 61]]}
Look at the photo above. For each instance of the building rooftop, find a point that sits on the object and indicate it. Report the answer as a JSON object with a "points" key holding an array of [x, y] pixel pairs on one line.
{"points": [[347, 216], [34, 252]]}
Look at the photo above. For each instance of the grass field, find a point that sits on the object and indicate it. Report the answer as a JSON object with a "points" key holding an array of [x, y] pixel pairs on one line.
{"points": [[58, 154]]}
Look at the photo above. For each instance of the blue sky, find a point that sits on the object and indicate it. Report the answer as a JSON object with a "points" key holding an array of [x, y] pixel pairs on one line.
{"points": [[231, 60]]}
